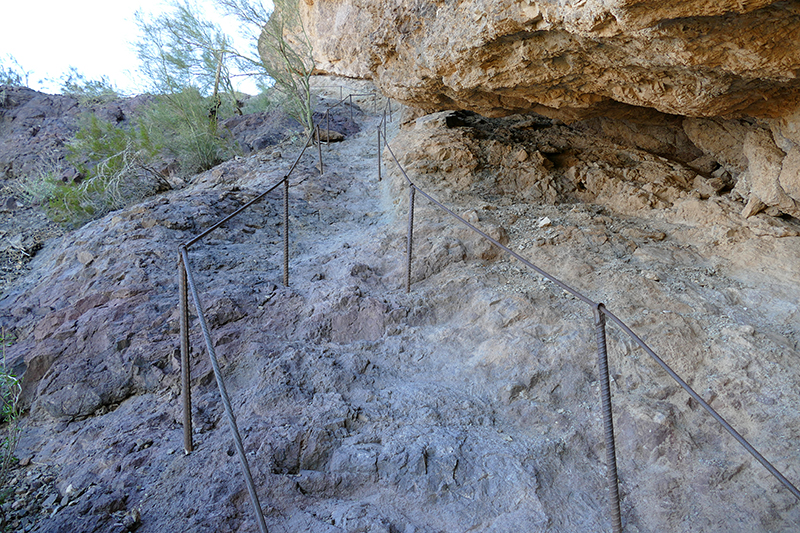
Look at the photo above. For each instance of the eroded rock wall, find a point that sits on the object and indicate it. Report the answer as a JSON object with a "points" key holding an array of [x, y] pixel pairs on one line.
{"points": [[577, 58], [729, 68]]}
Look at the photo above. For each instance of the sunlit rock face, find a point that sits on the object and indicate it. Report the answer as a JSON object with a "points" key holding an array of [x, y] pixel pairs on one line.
{"points": [[695, 58], [731, 67]]}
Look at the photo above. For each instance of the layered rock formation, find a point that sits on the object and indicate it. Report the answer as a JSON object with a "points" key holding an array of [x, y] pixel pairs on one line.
{"points": [[730, 66]]}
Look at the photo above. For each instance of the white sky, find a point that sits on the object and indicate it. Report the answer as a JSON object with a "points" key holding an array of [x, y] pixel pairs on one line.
{"points": [[47, 37]]}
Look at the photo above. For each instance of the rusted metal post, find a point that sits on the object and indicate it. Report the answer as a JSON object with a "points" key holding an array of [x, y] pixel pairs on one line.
{"points": [[328, 131], [379, 153], [286, 231], [411, 195], [612, 478], [186, 371], [226, 402], [319, 149]]}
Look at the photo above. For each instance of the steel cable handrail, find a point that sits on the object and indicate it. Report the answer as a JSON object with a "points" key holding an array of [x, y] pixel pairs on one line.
{"points": [[600, 312], [187, 284], [237, 439]]}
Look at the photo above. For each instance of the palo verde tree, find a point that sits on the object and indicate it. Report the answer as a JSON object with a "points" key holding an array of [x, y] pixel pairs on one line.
{"points": [[12, 73], [188, 62], [284, 51]]}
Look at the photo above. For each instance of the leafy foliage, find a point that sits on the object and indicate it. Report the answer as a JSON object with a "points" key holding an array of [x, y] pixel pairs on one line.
{"points": [[183, 50], [12, 73], [11, 410], [180, 125], [86, 91], [117, 167], [284, 51]]}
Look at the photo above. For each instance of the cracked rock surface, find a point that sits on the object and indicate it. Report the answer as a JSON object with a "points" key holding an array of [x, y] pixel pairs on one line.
{"points": [[470, 403]]}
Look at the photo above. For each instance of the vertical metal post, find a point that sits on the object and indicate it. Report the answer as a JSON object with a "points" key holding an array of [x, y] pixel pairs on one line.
{"points": [[341, 93], [319, 149], [411, 194], [389, 103], [286, 231], [186, 371], [237, 438], [608, 421], [351, 106], [384, 124], [328, 131], [379, 153]]}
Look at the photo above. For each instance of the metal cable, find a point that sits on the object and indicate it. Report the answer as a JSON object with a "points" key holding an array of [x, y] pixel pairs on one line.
{"points": [[745, 444], [735, 434], [186, 371], [286, 231], [512, 253], [251, 488], [319, 148], [411, 191], [205, 233]]}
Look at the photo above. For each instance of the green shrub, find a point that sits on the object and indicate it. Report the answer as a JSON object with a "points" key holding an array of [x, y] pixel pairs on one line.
{"points": [[10, 391], [12, 73], [116, 165], [182, 125], [87, 92]]}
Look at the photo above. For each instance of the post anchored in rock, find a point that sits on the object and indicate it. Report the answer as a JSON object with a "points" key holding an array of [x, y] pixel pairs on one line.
{"points": [[612, 478], [186, 372]]}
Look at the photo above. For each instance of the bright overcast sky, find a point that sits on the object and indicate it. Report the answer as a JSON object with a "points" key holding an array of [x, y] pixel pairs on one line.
{"points": [[47, 37]]}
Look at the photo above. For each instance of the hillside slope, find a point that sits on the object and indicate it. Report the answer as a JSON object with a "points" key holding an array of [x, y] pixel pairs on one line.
{"points": [[468, 404]]}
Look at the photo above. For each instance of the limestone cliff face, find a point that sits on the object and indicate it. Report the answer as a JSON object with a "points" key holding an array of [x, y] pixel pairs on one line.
{"points": [[732, 66]]}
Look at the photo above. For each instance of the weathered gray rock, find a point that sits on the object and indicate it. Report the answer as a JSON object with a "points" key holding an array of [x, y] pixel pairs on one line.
{"points": [[470, 403]]}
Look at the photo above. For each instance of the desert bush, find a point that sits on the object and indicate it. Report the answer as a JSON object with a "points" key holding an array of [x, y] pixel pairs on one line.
{"points": [[38, 186], [116, 166], [186, 61], [12, 73], [283, 50], [180, 50], [180, 125], [88, 92], [10, 391]]}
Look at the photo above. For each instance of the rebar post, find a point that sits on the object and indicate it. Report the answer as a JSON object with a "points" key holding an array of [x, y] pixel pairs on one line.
{"points": [[237, 439], [612, 478], [328, 131], [186, 371], [286, 231], [379, 153], [319, 149], [411, 195]]}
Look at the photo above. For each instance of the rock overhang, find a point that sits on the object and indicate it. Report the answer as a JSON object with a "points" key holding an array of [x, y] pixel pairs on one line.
{"points": [[730, 65]]}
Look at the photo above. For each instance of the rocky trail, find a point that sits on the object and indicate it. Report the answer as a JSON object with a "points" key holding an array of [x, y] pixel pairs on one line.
{"points": [[470, 403]]}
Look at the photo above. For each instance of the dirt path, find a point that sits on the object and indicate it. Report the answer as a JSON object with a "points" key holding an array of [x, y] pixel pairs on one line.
{"points": [[469, 404]]}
